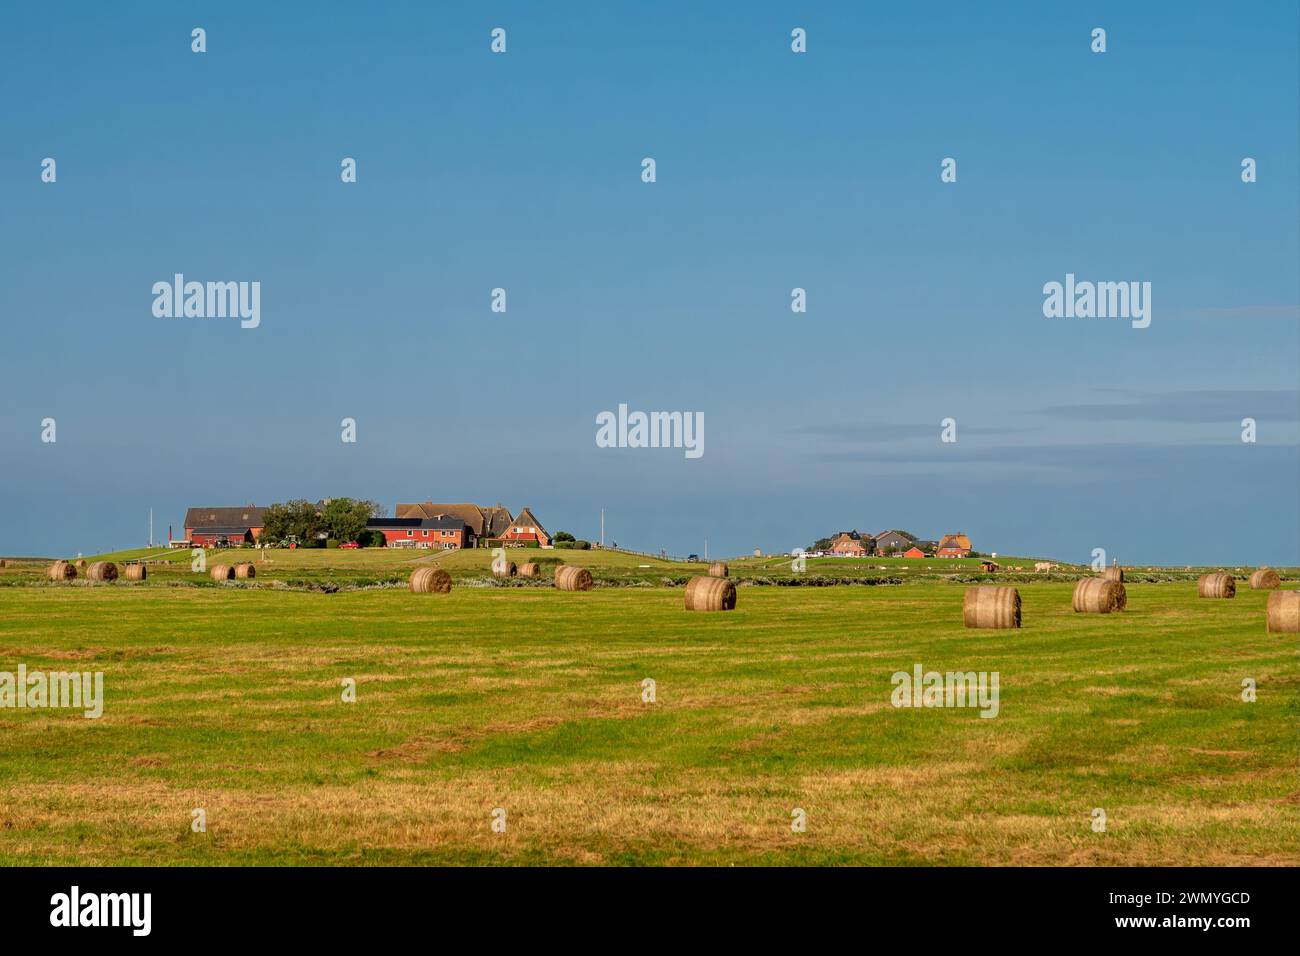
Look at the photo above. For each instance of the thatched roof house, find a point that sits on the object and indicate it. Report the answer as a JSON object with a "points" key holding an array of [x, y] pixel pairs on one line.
{"points": [[954, 546], [489, 522], [525, 527]]}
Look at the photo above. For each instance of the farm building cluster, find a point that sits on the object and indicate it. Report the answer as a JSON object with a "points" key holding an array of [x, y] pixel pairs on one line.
{"points": [[893, 543], [443, 527]]}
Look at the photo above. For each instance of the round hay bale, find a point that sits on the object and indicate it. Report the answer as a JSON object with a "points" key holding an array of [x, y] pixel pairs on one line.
{"points": [[569, 578], [3, 563], [102, 571], [1284, 612], [718, 569], [710, 594], [988, 605], [222, 572], [1265, 579], [1216, 586], [504, 569], [134, 572], [245, 570], [1098, 596], [62, 571], [81, 564], [430, 581], [530, 569], [1113, 573]]}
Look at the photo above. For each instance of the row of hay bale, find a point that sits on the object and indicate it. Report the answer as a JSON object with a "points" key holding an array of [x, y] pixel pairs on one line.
{"points": [[708, 593], [107, 571], [508, 569], [437, 581], [228, 572], [99, 571], [991, 606]]}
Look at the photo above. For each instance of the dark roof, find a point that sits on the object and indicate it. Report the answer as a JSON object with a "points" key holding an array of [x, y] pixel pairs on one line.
{"points": [[239, 531], [497, 519], [446, 522], [239, 517], [470, 514], [527, 519], [902, 534]]}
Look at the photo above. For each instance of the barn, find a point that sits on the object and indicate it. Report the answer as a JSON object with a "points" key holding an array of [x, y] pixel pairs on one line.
{"points": [[224, 526]]}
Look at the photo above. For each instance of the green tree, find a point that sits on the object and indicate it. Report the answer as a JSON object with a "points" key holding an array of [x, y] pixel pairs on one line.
{"points": [[277, 524], [296, 520], [563, 536], [345, 518]]}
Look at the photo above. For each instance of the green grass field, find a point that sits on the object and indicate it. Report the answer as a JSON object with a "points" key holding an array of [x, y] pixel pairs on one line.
{"points": [[228, 698]]}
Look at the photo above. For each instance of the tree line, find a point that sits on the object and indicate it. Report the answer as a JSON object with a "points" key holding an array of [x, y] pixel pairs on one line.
{"points": [[310, 524]]}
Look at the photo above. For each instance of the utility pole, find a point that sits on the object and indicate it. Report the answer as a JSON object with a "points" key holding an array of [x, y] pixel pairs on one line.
{"points": [[602, 527], [151, 527], [706, 549]]}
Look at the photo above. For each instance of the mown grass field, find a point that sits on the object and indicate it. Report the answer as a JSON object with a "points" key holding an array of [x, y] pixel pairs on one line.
{"points": [[528, 699]]}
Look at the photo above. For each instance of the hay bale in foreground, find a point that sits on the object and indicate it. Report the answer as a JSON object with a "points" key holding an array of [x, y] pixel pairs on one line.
{"points": [[530, 569], [134, 572], [718, 569], [62, 571], [102, 571], [569, 578], [1284, 612], [710, 594], [1113, 573], [245, 570], [1216, 586], [222, 572], [988, 605], [504, 569], [430, 581], [1265, 579], [1098, 596]]}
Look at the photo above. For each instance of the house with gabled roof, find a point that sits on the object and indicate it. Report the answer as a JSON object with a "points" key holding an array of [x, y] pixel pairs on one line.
{"points": [[441, 532], [850, 544], [525, 528], [481, 522], [889, 542], [953, 546]]}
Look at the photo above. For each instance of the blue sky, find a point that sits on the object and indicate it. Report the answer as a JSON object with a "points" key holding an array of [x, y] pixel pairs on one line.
{"points": [[775, 170]]}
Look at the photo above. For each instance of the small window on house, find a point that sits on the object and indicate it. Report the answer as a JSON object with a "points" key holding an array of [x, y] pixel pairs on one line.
{"points": [[424, 533], [410, 534]]}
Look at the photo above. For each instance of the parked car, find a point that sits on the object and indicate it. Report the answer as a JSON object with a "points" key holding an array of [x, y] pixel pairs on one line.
{"points": [[349, 544], [692, 557]]}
